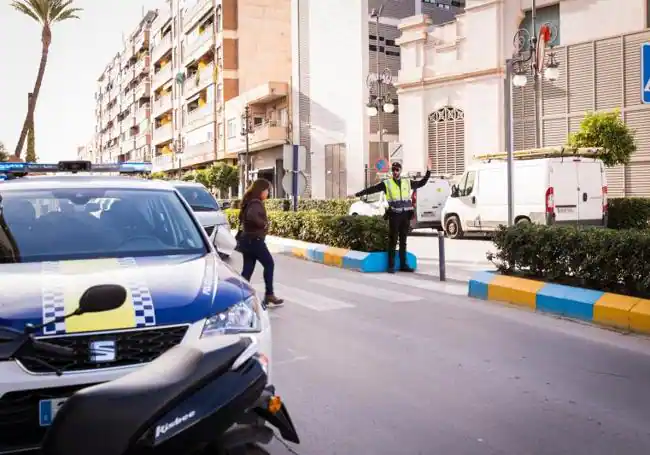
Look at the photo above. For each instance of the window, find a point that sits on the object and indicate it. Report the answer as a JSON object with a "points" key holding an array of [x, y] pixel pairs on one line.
{"points": [[284, 117], [79, 223], [548, 14], [446, 134], [231, 129], [198, 198]]}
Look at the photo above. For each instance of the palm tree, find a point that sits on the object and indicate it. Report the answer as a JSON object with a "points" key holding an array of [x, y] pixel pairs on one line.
{"points": [[46, 13]]}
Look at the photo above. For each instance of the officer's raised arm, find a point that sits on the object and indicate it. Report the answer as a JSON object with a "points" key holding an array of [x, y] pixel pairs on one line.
{"points": [[378, 188]]}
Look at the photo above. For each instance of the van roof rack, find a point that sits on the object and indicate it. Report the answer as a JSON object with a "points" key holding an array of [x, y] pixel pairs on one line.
{"points": [[11, 170], [545, 152]]}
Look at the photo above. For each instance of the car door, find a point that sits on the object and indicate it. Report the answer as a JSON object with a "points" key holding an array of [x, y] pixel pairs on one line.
{"points": [[590, 191], [468, 213]]}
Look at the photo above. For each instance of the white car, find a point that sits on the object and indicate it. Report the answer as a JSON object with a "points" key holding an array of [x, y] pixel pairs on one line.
{"points": [[212, 218], [54, 246], [428, 202]]}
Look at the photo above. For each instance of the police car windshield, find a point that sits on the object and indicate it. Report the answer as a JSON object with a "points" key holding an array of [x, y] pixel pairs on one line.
{"points": [[83, 223], [198, 198]]}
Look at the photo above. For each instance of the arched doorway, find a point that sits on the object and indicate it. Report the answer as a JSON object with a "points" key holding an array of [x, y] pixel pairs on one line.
{"points": [[447, 141]]}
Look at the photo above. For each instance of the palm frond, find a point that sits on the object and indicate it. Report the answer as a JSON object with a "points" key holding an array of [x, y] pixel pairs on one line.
{"points": [[67, 14], [26, 10], [61, 10]]}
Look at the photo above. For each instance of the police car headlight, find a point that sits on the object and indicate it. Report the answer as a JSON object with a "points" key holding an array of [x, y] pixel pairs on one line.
{"points": [[242, 317]]}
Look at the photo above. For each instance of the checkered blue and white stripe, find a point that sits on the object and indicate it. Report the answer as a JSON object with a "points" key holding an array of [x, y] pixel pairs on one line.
{"points": [[53, 299], [145, 314]]}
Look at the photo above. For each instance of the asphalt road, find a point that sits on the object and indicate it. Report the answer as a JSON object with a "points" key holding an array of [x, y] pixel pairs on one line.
{"points": [[367, 366]]}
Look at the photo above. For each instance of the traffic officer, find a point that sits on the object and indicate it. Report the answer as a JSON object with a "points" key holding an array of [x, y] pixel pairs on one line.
{"points": [[400, 211]]}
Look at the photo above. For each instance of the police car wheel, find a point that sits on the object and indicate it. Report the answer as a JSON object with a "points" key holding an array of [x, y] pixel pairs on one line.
{"points": [[453, 228]]}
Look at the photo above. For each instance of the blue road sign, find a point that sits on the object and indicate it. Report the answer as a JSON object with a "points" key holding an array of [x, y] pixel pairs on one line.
{"points": [[381, 165], [645, 73]]}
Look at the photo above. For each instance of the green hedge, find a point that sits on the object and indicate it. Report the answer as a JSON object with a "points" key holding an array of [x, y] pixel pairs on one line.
{"points": [[359, 233], [602, 259], [339, 207], [629, 213]]}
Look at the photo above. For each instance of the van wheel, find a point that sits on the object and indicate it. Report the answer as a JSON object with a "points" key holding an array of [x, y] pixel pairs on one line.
{"points": [[453, 228], [523, 221], [355, 214]]}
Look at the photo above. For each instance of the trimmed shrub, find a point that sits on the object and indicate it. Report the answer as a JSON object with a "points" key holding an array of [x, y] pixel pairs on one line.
{"points": [[339, 207], [629, 213], [359, 233], [602, 259]]}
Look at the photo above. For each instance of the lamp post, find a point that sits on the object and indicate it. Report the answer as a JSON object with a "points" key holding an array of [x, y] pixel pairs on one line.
{"points": [[246, 130], [527, 57], [380, 99]]}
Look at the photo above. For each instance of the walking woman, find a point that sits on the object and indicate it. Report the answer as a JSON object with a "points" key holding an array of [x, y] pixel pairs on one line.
{"points": [[254, 225]]}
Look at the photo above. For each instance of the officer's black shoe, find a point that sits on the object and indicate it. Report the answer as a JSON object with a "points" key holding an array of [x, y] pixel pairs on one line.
{"points": [[390, 270], [406, 269]]}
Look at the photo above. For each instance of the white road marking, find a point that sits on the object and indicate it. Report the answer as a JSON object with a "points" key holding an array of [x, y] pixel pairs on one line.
{"points": [[368, 291], [430, 284], [311, 300]]}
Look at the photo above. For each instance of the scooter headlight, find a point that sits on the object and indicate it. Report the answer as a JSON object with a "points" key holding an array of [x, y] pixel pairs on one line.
{"points": [[242, 317]]}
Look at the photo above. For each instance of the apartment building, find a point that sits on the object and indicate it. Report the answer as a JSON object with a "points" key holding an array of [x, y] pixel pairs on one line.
{"points": [[87, 152], [452, 89], [123, 129], [332, 59]]}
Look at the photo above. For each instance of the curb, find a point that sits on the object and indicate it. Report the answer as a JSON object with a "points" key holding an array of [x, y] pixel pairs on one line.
{"points": [[359, 261], [617, 311]]}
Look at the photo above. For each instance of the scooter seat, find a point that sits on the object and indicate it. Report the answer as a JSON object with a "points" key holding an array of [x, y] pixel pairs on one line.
{"points": [[105, 419]]}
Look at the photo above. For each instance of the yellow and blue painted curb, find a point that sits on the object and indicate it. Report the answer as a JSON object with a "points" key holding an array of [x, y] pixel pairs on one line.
{"points": [[602, 308], [337, 257]]}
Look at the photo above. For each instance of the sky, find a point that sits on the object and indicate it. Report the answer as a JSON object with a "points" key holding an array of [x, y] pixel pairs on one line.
{"points": [[80, 51]]}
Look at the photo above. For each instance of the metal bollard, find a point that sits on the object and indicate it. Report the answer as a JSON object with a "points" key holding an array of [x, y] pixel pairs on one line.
{"points": [[441, 256]]}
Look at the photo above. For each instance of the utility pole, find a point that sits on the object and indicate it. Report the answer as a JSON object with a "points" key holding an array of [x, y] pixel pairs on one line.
{"points": [[245, 131]]}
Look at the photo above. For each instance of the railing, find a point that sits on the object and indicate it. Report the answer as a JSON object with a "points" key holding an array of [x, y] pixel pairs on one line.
{"points": [[162, 105], [142, 140], [197, 44], [142, 113], [200, 114], [199, 81], [162, 47], [162, 76], [142, 65], [142, 90], [163, 162], [193, 12], [199, 153], [163, 133]]}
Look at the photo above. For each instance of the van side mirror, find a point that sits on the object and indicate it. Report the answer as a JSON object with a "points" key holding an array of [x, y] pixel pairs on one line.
{"points": [[454, 191], [364, 198]]}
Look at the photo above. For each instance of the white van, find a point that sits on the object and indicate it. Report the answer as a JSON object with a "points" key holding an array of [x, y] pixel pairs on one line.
{"points": [[566, 190], [428, 202]]}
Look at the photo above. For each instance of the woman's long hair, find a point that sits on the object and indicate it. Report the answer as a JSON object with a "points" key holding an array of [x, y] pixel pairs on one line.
{"points": [[255, 190]]}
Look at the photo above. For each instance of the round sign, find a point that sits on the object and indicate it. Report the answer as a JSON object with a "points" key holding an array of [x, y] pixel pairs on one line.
{"points": [[381, 165]]}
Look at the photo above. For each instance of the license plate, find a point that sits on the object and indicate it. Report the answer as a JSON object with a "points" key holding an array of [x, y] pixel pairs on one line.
{"points": [[47, 410], [566, 209]]}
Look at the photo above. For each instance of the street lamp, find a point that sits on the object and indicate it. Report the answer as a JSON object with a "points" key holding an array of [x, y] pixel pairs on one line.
{"points": [[380, 99], [246, 130], [527, 58]]}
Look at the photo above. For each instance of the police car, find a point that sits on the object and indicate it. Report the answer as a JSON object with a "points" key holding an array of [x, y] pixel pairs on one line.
{"points": [[56, 241]]}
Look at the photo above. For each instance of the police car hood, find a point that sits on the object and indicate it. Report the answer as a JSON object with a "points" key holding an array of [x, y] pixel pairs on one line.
{"points": [[161, 290]]}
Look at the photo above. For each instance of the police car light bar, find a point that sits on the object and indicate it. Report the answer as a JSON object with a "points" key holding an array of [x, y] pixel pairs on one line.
{"points": [[74, 167]]}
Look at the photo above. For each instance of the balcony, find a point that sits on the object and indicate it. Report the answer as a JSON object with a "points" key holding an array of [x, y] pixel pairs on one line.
{"points": [[163, 76], [162, 134], [199, 153], [143, 90], [141, 114], [197, 48], [128, 145], [162, 105], [164, 46], [194, 13], [268, 92], [143, 140], [267, 135], [163, 162], [199, 81], [143, 65], [141, 41], [199, 117]]}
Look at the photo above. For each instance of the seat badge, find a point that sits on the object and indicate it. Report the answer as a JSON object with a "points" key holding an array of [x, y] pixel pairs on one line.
{"points": [[103, 351]]}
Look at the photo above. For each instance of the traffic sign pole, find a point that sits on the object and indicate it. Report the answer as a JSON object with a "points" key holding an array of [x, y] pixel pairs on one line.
{"points": [[294, 178], [645, 73]]}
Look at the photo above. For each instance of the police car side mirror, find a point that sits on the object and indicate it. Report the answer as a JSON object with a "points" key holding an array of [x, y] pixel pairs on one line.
{"points": [[364, 198]]}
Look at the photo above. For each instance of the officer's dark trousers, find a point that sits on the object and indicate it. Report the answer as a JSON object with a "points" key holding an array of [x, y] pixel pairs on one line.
{"points": [[398, 228]]}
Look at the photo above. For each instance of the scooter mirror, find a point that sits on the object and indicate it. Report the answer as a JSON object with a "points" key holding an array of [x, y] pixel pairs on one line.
{"points": [[100, 298]]}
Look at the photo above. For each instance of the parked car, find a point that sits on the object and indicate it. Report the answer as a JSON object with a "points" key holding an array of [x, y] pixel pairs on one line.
{"points": [[553, 190], [209, 213], [428, 202]]}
